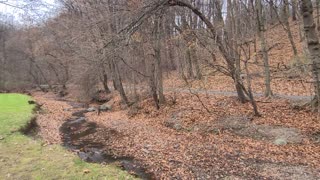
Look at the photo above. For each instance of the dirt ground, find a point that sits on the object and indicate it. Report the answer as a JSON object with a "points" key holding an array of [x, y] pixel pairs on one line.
{"points": [[182, 141]]}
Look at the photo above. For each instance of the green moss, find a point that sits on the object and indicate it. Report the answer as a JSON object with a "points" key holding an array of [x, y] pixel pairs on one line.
{"points": [[24, 158]]}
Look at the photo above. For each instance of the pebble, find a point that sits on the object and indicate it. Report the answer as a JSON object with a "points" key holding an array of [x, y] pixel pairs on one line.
{"points": [[146, 151]]}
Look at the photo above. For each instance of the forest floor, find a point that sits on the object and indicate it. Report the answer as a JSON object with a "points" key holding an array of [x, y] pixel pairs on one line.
{"points": [[183, 141]]}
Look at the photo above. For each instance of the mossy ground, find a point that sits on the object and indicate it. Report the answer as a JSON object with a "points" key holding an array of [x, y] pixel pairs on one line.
{"points": [[22, 157]]}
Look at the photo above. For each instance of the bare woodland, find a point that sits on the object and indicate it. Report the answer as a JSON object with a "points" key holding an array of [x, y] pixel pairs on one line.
{"points": [[130, 42]]}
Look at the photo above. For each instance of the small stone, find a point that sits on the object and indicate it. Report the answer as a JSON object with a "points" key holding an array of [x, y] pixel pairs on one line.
{"points": [[147, 146], [1, 138], [105, 107], [280, 142], [215, 131], [177, 127], [91, 109], [146, 151]]}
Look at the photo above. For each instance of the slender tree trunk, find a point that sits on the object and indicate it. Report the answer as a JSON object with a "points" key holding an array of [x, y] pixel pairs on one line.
{"points": [[287, 27], [105, 81], [255, 49], [318, 14], [118, 82], [185, 27], [189, 63], [3, 73], [196, 62], [294, 9], [192, 42], [158, 68], [261, 33], [153, 86], [271, 9], [253, 102], [113, 76], [170, 49]]}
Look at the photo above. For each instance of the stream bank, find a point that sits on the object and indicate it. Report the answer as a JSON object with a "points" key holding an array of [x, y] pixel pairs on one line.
{"points": [[78, 135]]}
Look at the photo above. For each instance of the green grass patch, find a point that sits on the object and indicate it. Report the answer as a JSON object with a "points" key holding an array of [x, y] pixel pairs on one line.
{"points": [[22, 157], [15, 112]]}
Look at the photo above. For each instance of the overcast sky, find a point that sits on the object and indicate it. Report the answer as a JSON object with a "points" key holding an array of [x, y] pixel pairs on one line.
{"points": [[28, 11]]}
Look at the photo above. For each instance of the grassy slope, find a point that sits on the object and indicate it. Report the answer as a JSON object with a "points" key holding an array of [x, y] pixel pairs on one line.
{"points": [[24, 158]]}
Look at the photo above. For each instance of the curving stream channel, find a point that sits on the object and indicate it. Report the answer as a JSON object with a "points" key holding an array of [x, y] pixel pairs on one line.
{"points": [[78, 136]]}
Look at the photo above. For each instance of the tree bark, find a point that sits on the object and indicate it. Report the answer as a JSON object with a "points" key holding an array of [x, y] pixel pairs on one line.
{"points": [[118, 82], [153, 86], [294, 9], [170, 49], [313, 47], [261, 33], [158, 68], [287, 27], [188, 50], [105, 81], [3, 76]]}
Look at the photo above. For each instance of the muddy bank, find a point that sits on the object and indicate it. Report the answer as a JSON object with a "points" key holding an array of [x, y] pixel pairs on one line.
{"points": [[31, 129]]}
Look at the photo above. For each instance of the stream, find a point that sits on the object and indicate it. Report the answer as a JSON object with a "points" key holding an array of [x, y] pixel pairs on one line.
{"points": [[78, 136]]}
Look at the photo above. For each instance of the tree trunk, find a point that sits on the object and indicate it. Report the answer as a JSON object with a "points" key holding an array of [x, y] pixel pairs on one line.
{"points": [[158, 69], [118, 81], [287, 27], [105, 81], [3, 73], [313, 47], [113, 76], [170, 49], [261, 33], [189, 63], [294, 9], [185, 27], [153, 86], [253, 102], [318, 14], [196, 62], [271, 9]]}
